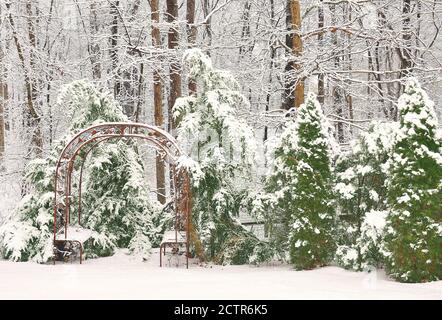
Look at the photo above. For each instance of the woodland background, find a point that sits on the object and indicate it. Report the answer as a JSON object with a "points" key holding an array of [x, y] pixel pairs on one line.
{"points": [[355, 54]]}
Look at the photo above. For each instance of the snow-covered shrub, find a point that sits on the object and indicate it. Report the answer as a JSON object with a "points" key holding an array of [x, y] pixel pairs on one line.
{"points": [[115, 204], [300, 191], [26, 233], [414, 229], [363, 245], [371, 240], [360, 186], [221, 154]]}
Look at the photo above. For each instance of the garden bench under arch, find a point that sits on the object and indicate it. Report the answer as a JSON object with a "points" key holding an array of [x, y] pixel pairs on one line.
{"points": [[94, 135]]}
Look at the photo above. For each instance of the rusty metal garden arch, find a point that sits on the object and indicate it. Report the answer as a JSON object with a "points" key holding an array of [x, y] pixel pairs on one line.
{"points": [[156, 137]]}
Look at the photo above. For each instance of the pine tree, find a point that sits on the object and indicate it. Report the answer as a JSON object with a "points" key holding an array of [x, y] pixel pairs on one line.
{"points": [[115, 205], [414, 229], [221, 154], [301, 181], [360, 184]]}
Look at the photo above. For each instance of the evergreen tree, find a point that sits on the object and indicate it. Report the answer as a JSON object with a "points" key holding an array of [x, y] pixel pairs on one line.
{"points": [[361, 189], [301, 181], [115, 205], [221, 149], [414, 230], [275, 204]]}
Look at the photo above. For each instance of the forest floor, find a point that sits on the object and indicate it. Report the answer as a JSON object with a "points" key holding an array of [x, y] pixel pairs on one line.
{"points": [[126, 277]]}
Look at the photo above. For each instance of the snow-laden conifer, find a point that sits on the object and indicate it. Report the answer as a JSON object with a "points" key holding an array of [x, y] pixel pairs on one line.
{"points": [[221, 152], [301, 185], [361, 189], [414, 230]]}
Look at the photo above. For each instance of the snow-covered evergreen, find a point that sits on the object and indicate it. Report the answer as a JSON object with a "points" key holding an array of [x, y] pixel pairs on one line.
{"points": [[360, 185], [301, 182], [117, 203], [115, 198], [414, 229], [221, 155]]}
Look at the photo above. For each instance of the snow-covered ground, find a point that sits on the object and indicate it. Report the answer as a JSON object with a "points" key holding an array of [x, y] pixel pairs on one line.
{"points": [[125, 277]]}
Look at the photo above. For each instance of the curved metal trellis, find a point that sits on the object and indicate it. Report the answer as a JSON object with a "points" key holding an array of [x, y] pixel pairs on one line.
{"points": [[156, 137]]}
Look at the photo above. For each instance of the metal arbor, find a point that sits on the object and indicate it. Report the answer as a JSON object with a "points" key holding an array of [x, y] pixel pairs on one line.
{"points": [[88, 139]]}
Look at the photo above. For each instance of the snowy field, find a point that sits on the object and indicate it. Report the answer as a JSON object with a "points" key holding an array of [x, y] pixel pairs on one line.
{"points": [[125, 277]]}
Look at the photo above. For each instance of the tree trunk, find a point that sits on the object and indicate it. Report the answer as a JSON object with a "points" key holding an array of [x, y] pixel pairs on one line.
{"points": [[245, 33], [191, 36], [49, 76], [297, 49], [190, 17], [294, 86], [406, 59], [113, 47], [338, 91], [94, 46], [348, 96], [158, 102], [140, 92], [174, 69], [247, 45], [3, 99], [35, 122], [207, 26], [272, 62], [321, 84]]}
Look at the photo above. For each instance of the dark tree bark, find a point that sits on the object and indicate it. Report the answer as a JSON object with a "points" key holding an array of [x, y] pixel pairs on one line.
{"points": [[294, 87], [406, 59], [113, 47], [349, 58], [94, 49], [175, 68], [272, 62], [191, 36], [158, 102], [321, 87], [207, 25], [3, 100], [190, 17], [338, 92], [245, 32]]}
